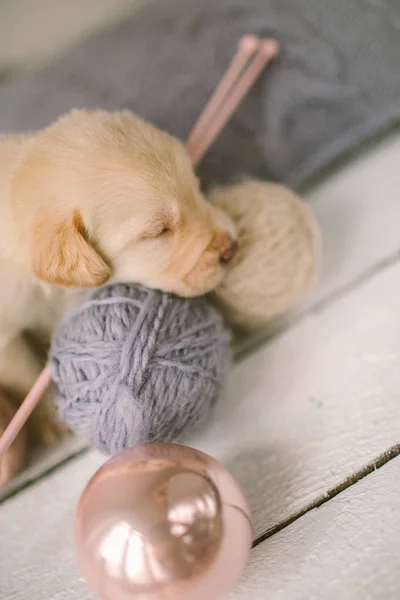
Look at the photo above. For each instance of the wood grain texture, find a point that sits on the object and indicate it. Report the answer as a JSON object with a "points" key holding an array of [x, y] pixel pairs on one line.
{"points": [[359, 214], [348, 549], [44, 460], [36, 552]]}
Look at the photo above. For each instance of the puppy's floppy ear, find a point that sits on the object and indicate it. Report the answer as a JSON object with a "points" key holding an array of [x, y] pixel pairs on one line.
{"points": [[63, 254]]}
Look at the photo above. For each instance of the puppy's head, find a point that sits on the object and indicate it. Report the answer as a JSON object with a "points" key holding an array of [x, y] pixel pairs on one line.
{"points": [[108, 197]]}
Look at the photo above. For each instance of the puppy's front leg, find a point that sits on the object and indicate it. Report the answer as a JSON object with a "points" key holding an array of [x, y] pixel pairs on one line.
{"points": [[15, 458], [20, 366]]}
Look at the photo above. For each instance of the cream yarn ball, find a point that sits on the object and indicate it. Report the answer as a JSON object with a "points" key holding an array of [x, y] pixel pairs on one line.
{"points": [[278, 253]]}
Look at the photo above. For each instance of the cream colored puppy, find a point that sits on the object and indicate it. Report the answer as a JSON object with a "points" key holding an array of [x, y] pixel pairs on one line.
{"points": [[97, 197]]}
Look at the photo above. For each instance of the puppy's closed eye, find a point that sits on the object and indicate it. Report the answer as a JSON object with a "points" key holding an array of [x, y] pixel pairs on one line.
{"points": [[164, 231], [157, 230]]}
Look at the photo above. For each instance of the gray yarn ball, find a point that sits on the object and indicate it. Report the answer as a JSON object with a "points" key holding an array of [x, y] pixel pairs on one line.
{"points": [[134, 365]]}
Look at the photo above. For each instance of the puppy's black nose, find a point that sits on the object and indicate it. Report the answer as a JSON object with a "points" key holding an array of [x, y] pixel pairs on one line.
{"points": [[229, 253]]}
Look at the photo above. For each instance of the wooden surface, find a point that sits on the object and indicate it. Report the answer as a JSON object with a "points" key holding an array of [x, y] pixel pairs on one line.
{"points": [[315, 406], [348, 549], [359, 213], [311, 411]]}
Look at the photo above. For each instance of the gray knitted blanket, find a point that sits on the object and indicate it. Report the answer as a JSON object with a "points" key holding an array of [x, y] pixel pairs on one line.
{"points": [[336, 83]]}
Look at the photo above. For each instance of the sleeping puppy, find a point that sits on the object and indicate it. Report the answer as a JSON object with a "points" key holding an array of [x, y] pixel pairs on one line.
{"points": [[96, 197]]}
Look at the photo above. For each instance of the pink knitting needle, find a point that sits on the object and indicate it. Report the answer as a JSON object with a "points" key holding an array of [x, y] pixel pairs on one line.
{"points": [[232, 90], [229, 94], [247, 47]]}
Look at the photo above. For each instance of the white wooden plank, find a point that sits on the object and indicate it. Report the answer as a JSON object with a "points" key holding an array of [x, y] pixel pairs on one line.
{"points": [[43, 461], [315, 405], [38, 562], [36, 551], [358, 209], [347, 549]]}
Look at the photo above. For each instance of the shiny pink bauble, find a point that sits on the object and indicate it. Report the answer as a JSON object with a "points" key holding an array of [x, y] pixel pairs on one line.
{"points": [[162, 521]]}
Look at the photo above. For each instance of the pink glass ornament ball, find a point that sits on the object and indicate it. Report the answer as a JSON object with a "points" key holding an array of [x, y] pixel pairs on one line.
{"points": [[162, 521]]}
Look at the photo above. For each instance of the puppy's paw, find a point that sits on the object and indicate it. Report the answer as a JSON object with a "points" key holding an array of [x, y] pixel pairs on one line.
{"points": [[44, 426], [51, 432], [15, 458], [11, 463], [45, 429]]}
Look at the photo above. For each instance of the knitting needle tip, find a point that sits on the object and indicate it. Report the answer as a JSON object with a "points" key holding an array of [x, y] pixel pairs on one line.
{"points": [[269, 48], [249, 44]]}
